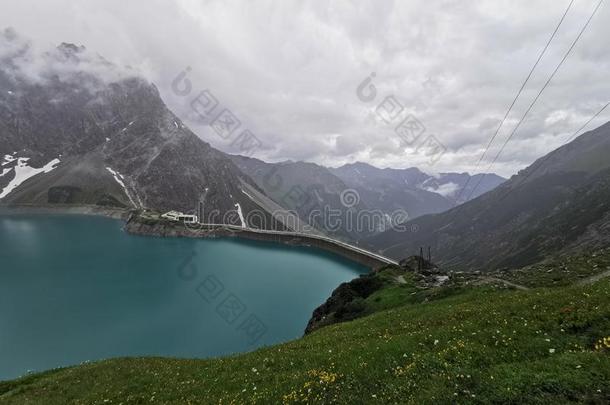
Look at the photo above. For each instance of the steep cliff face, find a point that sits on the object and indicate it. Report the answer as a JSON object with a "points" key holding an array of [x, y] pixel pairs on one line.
{"points": [[79, 130]]}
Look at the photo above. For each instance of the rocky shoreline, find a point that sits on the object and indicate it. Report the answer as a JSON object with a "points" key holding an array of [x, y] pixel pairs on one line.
{"points": [[136, 224]]}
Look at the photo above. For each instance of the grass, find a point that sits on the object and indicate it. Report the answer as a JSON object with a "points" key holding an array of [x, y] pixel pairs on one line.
{"points": [[388, 288], [410, 291], [560, 271], [468, 345]]}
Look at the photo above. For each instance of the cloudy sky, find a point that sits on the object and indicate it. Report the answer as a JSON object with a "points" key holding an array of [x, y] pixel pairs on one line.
{"points": [[290, 70]]}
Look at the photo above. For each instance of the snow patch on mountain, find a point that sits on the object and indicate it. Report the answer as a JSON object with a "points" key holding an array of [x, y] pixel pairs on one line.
{"points": [[8, 159], [24, 172], [248, 195], [428, 180], [118, 177], [241, 215], [446, 190]]}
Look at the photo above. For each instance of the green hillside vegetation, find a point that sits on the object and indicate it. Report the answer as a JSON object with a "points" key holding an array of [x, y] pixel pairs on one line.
{"points": [[388, 288], [562, 270], [413, 343]]}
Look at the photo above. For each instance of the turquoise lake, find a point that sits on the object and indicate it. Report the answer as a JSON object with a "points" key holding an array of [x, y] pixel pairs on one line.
{"points": [[78, 288]]}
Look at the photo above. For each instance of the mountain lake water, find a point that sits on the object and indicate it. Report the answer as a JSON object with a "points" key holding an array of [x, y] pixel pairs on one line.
{"points": [[78, 288]]}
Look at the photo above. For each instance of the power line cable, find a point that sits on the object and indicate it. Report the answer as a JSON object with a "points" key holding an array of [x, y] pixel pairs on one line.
{"points": [[546, 46], [541, 163], [449, 266], [565, 56]]}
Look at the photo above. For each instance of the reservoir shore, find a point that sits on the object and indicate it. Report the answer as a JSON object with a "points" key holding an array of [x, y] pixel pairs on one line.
{"points": [[145, 226]]}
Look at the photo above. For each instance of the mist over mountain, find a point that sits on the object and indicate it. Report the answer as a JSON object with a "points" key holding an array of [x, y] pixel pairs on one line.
{"points": [[103, 136], [77, 129], [302, 202]]}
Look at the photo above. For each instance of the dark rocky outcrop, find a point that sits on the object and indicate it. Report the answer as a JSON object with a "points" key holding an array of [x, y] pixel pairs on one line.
{"points": [[345, 303]]}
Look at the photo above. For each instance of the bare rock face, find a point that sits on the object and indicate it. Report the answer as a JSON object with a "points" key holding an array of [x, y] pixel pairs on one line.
{"points": [[114, 139]]}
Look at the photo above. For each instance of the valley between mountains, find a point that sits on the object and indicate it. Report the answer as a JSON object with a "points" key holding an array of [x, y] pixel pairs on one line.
{"points": [[507, 304]]}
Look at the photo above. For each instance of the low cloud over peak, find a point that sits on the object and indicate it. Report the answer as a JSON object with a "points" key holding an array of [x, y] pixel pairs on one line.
{"points": [[290, 72]]}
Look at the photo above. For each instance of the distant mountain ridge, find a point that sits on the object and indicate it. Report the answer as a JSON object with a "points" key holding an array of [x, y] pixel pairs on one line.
{"points": [[450, 186], [559, 204], [306, 187]]}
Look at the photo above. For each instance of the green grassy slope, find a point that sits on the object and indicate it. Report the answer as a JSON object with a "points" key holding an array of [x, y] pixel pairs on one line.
{"points": [[478, 344], [560, 270]]}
